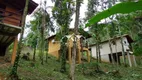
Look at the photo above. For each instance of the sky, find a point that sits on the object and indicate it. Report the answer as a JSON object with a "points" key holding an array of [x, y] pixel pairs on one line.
{"points": [[83, 9]]}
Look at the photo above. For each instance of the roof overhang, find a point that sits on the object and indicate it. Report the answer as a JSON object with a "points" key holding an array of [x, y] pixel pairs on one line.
{"points": [[8, 33], [130, 40]]}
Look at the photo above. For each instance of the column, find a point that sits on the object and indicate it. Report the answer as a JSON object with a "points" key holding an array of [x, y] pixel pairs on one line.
{"points": [[79, 56], [88, 55], [134, 59], [130, 63], [69, 54], [14, 50]]}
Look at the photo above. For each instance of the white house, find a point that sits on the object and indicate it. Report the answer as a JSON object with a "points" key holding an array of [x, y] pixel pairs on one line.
{"points": [[116, 45]]}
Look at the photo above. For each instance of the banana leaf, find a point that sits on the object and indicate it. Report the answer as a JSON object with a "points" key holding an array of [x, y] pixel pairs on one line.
{"points": [[123, 8]]}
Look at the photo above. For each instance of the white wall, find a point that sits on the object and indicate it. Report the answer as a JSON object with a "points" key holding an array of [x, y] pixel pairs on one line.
{"points": [[105, 50]]}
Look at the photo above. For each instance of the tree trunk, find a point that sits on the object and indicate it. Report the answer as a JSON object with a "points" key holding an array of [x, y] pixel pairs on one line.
{"points": [[81, 42], [117, 56], [42, 46], [43, 32], [112, 59], [123, 52], [99, 51], [34, 54], [14, 74], [97, 55], [72, 69], [63, 52], [47, 52]]}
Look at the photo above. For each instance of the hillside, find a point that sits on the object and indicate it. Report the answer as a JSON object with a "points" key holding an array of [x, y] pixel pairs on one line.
{"points": [[29, 70]]}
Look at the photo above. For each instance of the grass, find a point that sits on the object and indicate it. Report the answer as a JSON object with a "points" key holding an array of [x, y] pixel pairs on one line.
{"points": [[29, 70]]}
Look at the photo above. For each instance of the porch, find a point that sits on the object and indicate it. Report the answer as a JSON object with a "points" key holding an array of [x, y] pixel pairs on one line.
{"points": [[8, 35]]}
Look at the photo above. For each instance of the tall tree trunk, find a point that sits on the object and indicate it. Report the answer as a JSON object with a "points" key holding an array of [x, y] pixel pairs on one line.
{"points": [[43, 32], [34, 54], [97, 55], [14, 74], [63, 53], [42, 46], [123, 52], [47, 52], [111, 53], [117, 56], [99, 51], [72, 69], [81, 41]]}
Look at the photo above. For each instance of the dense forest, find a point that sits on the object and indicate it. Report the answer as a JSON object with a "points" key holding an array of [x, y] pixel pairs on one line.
{"points": [[105, 21]]}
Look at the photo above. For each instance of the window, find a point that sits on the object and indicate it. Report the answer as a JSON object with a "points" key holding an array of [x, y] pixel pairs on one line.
{"points": [[125, 42]]}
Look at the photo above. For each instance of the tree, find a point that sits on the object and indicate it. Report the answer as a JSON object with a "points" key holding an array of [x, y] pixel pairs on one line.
{"points": [[74, 52], [95, 29], [31, 40], [41, 25], [14, 74], [42, 32], [62, 13]]}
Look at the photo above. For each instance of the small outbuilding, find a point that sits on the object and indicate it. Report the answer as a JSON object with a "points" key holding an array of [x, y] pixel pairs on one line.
{"points": [[116, 46], [54, 46]]}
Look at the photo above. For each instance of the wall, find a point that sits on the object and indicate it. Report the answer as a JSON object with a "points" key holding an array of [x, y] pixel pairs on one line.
{"points": [[105, 58], [27, 49], [105, 50], [14, 19], [53, 48]]}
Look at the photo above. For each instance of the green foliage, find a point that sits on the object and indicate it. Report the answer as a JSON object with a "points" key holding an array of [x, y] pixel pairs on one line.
{"points": [[118, 8], [62, 13], [32, 39], [137, 50]]}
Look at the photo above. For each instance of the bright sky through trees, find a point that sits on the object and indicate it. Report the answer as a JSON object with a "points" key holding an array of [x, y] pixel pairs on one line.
{"points": [[83, 9]]}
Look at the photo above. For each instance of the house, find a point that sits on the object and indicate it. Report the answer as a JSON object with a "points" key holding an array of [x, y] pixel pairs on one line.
{"points": [[116, 49], [54, 47], [11, 12]]}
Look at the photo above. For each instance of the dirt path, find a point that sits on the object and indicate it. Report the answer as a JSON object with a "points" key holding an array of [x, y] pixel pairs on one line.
{"points": [[5, 65]]}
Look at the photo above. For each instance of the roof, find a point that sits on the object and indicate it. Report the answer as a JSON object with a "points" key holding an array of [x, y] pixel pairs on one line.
{"points": [[81, 32], [52, 36], [20, 4], [130, 40]]}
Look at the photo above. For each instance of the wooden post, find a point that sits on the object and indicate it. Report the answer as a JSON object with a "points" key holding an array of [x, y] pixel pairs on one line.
{"points": [[130, 63], [79, 56], [69, 54], [88, 55], [14, 50], [134, 60]]}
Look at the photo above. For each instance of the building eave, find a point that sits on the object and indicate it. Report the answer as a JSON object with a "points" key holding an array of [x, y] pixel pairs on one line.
{"points": [[130, 40]]}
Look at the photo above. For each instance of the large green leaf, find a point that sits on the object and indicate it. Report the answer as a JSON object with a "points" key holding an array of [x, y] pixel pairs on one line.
{"points": [[125, 7]]}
